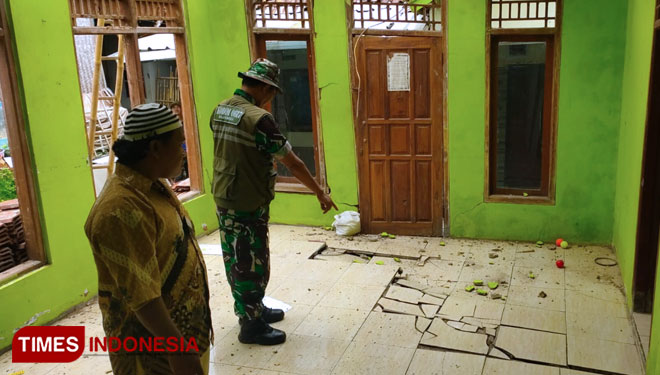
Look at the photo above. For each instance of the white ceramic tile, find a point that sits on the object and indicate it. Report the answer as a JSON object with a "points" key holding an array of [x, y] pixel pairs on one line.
{"points": [[392, 306], [537, 346], [332, 323], [489, 310], [455, 306], [368, 274], [362, 359], [547, 276], [389, 329], [532, 256], [293, 317], [441, 335], [352, 296], [592, 353], [229, 350], [533, 318], [307, 355], [643, 323], [583, 304], [434, 362], [496, 366], [601, 327], [403, 294], [223, 369], [324, 272], [293, 291], [501, 271], [530, 297]]}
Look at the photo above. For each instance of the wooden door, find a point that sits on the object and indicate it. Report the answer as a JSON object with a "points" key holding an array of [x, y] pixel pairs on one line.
{"points": [[399, 134]]}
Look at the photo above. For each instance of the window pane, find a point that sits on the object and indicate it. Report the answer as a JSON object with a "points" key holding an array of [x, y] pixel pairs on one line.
{"points": [[520, 96], [160, 78], [292, 110]]}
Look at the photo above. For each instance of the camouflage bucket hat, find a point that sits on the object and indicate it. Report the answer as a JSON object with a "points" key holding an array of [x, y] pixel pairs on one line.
{"points": [[265, 71]]}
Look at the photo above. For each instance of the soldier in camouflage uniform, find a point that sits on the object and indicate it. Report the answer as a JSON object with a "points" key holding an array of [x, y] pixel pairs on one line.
{"points": [[246, 140]]}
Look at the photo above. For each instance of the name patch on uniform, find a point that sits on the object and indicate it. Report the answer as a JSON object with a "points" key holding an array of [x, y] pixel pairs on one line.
{"points": [[228, 114]]}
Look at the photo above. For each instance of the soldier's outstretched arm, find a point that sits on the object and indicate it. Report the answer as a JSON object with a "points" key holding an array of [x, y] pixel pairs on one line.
{"points": [[300, 171]]}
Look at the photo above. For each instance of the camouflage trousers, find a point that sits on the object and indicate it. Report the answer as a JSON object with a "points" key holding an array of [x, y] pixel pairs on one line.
{"points": [[244, 238]]}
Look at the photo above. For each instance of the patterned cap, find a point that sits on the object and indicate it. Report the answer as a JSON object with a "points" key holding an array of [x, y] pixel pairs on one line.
{"points": [[265, 71], [149, 120]]}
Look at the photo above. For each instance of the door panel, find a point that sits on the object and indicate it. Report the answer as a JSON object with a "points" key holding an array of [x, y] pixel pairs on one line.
{"points": [[400, 136]]}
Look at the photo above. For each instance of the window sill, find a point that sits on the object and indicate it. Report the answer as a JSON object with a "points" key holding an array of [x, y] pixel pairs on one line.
{"points": [[189, 195], [291, 187], [519, 199], [21, 269]]}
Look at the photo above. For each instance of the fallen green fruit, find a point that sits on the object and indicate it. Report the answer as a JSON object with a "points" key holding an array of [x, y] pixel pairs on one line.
{"points": [[328, 228], [380, 262], [356, 261], [469, 288], [539, 242], [525, 195], [442, 243], [564, 244], [482, 292], [392, 236], [531, 276], [493, 285], [384, 234], [478, 282], [397, 260]]}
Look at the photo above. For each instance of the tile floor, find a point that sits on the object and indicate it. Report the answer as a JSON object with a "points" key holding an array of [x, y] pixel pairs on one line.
{"points": [[368, 305]]}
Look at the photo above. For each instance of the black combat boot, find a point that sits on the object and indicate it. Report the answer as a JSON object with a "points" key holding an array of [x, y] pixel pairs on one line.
{"points": [[272, 315], [257, 331], [269, 315]]}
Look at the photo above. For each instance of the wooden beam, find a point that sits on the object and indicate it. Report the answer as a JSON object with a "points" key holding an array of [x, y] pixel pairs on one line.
{"points": [[189, 116], [134, 71], [397, 32], [92, 30]]}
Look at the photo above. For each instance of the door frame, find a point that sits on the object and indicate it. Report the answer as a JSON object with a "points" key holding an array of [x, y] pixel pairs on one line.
{"points": [[440, 223], [646, 244]]}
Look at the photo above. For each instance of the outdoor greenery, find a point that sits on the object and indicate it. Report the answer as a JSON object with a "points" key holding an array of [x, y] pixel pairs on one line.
{"points": [[7, 185]]}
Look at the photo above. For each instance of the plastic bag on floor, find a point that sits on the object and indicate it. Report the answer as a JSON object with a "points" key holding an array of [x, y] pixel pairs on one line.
{"points": [[347, 223]]}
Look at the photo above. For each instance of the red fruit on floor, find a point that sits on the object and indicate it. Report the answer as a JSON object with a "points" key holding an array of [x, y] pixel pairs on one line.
{"points": [[560, 263], [559, 241]]}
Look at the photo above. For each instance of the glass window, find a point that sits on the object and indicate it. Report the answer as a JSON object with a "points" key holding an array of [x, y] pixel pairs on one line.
{"points": [[293, 109], [520, 83]]}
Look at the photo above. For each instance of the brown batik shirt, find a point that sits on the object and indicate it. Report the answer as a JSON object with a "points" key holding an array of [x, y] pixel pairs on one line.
{"points": [[144, 248]]}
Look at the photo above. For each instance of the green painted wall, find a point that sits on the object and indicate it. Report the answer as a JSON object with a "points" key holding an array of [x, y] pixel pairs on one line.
{"points": [[54, 119], [214, 48], [636, 74], [631, 137], [588, 123]]}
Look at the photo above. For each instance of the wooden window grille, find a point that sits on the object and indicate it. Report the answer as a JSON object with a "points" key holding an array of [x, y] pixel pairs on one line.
{"points": [[387, 14], [105, 9], [159, 10], [523, 14], [280, 14]]}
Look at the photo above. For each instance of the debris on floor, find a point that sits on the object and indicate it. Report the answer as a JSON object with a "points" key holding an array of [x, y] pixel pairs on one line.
{"points": [[434, 307]]}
